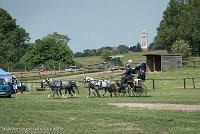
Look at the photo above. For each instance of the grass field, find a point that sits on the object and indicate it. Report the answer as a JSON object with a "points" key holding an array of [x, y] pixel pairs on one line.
{"points": [[135, 57], [32, 112]]}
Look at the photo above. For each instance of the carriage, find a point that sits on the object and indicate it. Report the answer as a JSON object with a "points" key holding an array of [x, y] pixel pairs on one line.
{"points": [[131, 88]]}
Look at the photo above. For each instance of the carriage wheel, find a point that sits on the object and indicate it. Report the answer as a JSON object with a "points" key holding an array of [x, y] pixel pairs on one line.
{"points": [[122, 92], [144, 90], [115, 94], [130, 91], [141, 90], [136, 91]]}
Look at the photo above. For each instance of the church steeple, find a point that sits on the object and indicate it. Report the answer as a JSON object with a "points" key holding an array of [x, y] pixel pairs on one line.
{"points": [[144, 40]]}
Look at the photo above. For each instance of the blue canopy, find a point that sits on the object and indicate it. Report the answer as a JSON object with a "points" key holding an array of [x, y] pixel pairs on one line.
{"points": [[5, 75]]}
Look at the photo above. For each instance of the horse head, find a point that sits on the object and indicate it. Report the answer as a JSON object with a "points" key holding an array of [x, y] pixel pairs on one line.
{"points": [[87, 79]]}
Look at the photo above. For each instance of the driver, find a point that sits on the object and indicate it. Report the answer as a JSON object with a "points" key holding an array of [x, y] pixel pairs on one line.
{"points": [[141, 77], [127, 75]]}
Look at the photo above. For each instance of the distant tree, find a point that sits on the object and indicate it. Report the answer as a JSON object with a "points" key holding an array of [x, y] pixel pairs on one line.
{"points": [[123, 49], [89, 52], [105, 54], [13, 39], [115, 51], [50, 51], [102, 49], [150, 47], [138, 48], [181, 47], [78, 54]]}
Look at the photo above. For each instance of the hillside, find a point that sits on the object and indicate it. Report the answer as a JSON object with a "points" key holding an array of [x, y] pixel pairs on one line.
{"points": [[136, 57]]}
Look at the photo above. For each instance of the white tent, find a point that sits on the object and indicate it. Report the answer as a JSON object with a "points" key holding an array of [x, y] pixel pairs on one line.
{"points": [[5, 75]]}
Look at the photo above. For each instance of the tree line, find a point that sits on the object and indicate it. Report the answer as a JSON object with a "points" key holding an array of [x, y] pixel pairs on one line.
{"points": [[120, 49]]}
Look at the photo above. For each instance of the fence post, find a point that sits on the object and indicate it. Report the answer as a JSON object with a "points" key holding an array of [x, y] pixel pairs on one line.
{"points": [[21, 88], [193, 83], [184, 83], [39, 74], [194, 64], [153, 84]]}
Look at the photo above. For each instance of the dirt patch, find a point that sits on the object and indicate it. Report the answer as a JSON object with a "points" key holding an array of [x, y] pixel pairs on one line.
{"points": [[119, 126], [158, 106]]}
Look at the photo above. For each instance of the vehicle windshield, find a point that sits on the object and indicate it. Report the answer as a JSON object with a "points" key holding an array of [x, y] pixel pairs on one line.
{"points": [[2, 82]]}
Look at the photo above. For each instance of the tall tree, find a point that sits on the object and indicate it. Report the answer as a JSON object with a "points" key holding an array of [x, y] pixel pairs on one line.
{"points": [[167, 32], [196, 31], [49, 51], [180, 22], [13, 39]]}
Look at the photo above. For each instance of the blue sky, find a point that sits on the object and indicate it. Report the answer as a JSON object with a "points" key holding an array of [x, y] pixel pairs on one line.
{"points": [[90, 24]]}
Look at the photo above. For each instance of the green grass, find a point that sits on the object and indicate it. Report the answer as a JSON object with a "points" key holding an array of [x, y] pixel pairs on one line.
{"points": [[82, 115], [92, 115]]}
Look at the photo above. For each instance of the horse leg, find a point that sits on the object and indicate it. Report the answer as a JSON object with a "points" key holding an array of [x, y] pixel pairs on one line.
{"points": [[97, 91], [88, 93], [49, 94], [93, 91], [105, 90], [73, 92], [57, 92], [64, 96], [60, 93], [67, 94], [53, 93], [110, 93], [70, 92]]}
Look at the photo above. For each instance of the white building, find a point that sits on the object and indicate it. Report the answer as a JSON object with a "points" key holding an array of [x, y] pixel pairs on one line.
{"points": [[144, 40]]}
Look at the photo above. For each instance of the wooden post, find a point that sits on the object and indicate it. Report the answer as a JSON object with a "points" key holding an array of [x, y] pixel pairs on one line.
{"points": [[21, 88], [184, 84], [39, 74], [153, 84], [55, 69], [193, 83], [194, 64]]}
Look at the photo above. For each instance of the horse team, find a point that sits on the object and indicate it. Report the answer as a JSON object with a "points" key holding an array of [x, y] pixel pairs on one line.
{"points": [[71, 88]]}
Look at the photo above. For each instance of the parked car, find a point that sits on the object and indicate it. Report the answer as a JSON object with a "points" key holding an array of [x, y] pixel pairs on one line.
{"points": [[5, 88], [71, 68]]}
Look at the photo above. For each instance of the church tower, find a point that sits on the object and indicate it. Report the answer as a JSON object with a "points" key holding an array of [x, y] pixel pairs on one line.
{"points": [[144, 40]]}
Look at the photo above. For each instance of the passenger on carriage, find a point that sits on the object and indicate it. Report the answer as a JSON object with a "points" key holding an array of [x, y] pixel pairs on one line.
{"points": [[141, 77], [127, 75]]}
